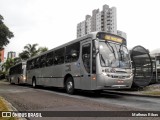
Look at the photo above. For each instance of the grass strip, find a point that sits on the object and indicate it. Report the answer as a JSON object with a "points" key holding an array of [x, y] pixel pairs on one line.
{"points": [[157, 93], [3, 107]]}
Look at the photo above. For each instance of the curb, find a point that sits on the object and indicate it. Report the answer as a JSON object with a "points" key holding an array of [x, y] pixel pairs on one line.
{"points": [[131, 94]]}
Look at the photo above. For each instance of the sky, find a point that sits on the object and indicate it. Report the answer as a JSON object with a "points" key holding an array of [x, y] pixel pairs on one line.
{"points": [[51, 23]]}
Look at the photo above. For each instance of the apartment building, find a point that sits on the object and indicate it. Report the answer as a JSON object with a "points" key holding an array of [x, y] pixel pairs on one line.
{"points": [[105, 20], [11, 54]]}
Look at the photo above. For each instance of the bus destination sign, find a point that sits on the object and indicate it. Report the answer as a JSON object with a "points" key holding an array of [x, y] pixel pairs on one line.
{"points": [[113, 38]]}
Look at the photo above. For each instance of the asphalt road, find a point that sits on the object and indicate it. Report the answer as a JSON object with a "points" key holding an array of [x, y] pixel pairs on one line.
{"points": [[26, 98]]}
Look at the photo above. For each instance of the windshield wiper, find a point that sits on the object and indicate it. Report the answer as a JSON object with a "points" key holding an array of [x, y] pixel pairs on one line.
{"points": [[120, 53], [102, 59], [111, 49]]}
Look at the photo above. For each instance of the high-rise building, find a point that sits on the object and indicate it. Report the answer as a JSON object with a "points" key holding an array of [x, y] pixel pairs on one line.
{"points": [[105, 20], [113, 20], [11, 54], [88, 24], [99, 20], [93, 21], [78, 30], [83, 28]]}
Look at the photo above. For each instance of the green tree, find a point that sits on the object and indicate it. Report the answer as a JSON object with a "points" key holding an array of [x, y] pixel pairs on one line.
{"points": [[24, 55], [17, 60], [29, 51], [5, 33], [42, 49], [9, 63]]}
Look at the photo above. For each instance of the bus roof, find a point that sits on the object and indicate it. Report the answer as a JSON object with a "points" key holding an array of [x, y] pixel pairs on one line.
{"points": [[22, 62], [91, 35]]}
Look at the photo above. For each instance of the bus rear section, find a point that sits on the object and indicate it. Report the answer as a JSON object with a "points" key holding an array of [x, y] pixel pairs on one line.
{"points": [[17, 73]]}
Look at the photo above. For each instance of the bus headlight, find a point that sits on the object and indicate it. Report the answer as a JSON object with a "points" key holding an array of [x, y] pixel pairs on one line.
{"points": [[24, 77]]}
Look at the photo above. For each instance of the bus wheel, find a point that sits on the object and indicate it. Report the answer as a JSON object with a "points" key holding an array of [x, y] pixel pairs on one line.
{"points": [[69, 85], [34, 83], [10, 82], [18, 81], [97, 92]]}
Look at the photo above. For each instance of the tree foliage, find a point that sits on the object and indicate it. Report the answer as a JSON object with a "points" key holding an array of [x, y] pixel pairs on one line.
{"points": [[30, 50], [5, 33], [9, 63], [42, 49], [17, 60]]}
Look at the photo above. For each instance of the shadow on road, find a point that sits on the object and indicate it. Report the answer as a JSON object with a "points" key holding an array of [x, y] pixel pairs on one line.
{"points": [[84, 93]]}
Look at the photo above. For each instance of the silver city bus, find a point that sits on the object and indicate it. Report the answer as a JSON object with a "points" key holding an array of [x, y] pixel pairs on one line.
{"points": [[96, 62], [17, 73]]}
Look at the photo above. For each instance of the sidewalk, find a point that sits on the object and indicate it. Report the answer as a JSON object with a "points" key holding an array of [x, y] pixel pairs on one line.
{"points": [[149, 91], [6, 106]]}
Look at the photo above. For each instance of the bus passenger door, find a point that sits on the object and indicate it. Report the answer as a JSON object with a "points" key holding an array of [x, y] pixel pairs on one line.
{"points": [[85, 63]]}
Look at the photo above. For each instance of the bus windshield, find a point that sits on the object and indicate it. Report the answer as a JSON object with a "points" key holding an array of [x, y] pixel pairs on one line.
{"points": [[114, 55]]}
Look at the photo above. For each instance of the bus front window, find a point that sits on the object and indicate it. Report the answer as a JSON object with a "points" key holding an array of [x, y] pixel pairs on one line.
{"points": [[114, 55]]}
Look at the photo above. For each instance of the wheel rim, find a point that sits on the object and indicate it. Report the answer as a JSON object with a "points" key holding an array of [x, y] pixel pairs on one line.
{"points": [[69, 86]]}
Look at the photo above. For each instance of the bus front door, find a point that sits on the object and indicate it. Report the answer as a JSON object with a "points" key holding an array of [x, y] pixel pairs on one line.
{"points": [[85, 63]]}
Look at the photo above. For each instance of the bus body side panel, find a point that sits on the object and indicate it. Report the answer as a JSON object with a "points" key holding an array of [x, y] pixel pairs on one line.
{"points": [[30, 74], [38, 73], [51, 76], [58, 75], [100, 81], [46, 73]]}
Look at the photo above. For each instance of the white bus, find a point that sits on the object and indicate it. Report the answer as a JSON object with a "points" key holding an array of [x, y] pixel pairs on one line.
{"points": [[96, 62], [17, 73]]}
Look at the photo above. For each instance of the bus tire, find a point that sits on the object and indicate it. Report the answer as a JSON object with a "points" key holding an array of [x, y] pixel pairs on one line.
{"points": [[18, 81], [97, 92], [69, 85], [10, 82], [34, 83]]}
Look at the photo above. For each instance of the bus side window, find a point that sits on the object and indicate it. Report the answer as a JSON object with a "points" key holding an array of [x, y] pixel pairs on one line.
{"points": [[59, 56], [37, 63], [28, 65], [72, 52], [32, 64], [86, 56], [49, 58], [42, 61], [55, 60]]}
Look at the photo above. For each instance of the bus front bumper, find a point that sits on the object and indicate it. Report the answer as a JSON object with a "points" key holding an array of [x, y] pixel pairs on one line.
{"points": [[105, 82]]}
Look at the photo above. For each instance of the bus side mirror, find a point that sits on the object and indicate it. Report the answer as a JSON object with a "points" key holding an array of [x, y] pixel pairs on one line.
{"points": [[96, 44]]}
